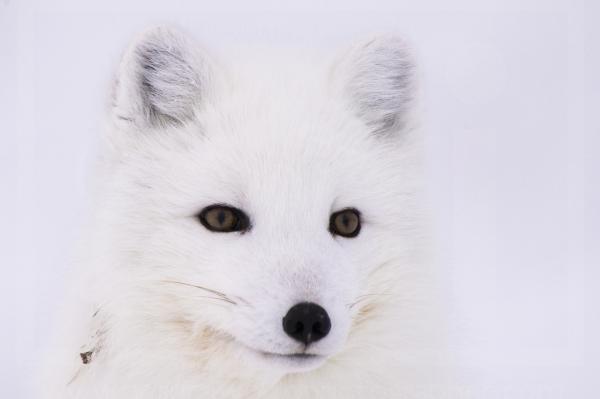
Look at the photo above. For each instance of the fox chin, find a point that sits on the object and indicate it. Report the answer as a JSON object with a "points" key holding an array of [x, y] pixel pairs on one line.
{"points": [[259, 231]]}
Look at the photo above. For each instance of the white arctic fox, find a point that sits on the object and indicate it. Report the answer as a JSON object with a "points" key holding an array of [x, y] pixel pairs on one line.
{"points": [[259, 233]]}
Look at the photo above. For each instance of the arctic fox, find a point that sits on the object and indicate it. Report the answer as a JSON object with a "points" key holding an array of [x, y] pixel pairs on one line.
{"points": [[260, 232]]}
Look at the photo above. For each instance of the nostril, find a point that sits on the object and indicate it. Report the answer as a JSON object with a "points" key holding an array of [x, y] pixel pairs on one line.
{"points": [[306, 322], [317, 328]]}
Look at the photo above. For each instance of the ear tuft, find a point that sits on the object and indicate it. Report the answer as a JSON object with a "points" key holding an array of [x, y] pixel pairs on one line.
{"points": [[376, 77], [162, 79]]}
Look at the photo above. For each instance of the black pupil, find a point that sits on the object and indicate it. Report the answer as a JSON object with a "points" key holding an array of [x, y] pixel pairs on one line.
{"points": [[346, 220], [221, 217]]}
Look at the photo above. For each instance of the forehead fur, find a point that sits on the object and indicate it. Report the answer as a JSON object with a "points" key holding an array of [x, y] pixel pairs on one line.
{"points": [[266, 132]]}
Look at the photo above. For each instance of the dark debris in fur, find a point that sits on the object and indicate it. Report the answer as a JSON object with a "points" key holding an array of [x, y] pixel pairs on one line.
{"points": [[86, 357]]}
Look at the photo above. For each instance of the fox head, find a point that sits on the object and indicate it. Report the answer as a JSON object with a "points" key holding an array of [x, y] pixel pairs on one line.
{"points": [[261, 212]]}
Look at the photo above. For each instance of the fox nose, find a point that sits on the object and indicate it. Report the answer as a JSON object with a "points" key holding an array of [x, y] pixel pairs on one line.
{"points": [[306, 322]]}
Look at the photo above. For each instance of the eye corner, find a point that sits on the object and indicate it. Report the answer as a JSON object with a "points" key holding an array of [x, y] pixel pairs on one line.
{"points": [[243, 226]]}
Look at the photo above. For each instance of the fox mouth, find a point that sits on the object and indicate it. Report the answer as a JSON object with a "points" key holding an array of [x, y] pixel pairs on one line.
{"points": [[294, 362], [289, 362], [292, 356]]}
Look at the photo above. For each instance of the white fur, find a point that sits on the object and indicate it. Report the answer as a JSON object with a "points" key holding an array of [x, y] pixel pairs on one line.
{"points": [[289, 141]]}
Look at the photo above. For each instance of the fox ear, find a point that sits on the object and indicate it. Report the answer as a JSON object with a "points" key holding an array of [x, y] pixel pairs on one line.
{"points": [[162, 80], [376, 78]]}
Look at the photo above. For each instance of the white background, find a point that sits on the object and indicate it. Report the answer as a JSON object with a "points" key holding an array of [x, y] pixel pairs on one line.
{"points": [[511, 106]]}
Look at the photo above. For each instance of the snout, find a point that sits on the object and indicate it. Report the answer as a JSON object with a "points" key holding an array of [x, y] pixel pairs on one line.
{"points": [[306, 322]]}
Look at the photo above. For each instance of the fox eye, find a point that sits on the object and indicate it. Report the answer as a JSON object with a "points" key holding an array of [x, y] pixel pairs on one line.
{"points": [[224, 219], [345, 223]]}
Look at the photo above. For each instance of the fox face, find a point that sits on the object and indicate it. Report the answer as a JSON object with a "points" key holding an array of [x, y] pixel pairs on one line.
{"points": [[258, 213]]}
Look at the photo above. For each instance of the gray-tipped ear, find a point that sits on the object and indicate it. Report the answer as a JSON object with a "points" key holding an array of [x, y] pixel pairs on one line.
{"points": [[162, 80], [376, 78]]}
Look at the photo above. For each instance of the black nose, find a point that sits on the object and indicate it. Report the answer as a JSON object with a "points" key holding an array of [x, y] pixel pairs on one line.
{"points": [[306, 322]]}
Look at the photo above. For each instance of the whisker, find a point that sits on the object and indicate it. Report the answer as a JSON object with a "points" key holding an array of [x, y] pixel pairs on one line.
{"points": [[353, 304], [244, 301], [216, 298], [220, 296], [364, 297]]}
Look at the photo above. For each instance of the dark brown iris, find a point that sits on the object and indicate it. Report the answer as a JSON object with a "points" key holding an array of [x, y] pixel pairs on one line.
{"points": [[345, 223]]}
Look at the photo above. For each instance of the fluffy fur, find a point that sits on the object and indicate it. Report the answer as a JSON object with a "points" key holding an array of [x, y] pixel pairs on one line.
{"points": [[169, 309]]}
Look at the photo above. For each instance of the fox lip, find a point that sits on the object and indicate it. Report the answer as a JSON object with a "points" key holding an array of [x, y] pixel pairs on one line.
{"points": [[291, 362], [294, 362], [297, 356]]}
